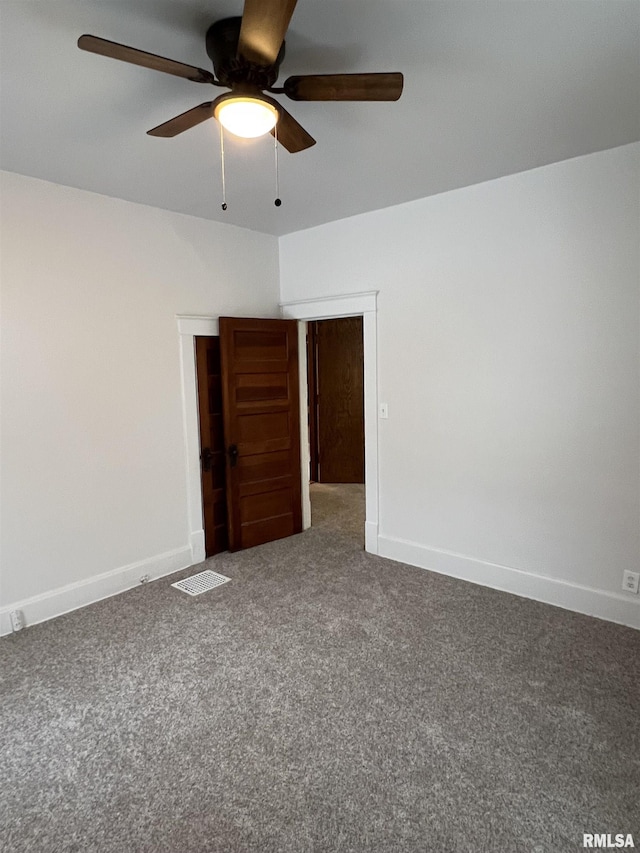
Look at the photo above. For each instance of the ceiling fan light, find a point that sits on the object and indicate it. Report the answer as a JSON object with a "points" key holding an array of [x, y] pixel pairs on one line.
{"points": [[246, 117]]}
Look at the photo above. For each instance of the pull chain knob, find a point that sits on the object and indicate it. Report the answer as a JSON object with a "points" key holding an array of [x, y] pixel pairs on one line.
{"points": [[278, 200], [224, 187]]}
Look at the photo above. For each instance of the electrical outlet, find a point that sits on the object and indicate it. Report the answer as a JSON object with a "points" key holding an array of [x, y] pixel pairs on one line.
{"points": [[17, 620], [145, 579], [630, 581]]}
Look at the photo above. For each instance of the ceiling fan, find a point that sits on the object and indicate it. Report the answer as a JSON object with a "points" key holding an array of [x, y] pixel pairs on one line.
{"points": [[246, 53]]}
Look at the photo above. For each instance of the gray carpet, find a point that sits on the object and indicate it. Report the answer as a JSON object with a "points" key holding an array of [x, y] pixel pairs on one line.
{"points": [[323, 701], [339, 507]]}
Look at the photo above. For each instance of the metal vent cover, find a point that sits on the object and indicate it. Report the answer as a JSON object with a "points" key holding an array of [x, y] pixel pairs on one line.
{"points": [[202, 582]]}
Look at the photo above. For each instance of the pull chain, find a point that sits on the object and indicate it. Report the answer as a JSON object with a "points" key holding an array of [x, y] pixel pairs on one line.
{"points": [[278, 200], [224, 188]]}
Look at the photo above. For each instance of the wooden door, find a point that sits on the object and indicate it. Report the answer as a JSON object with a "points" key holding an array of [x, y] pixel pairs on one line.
{"points": [[212, 447], [339, 392], [312, 401], [262, 429]]}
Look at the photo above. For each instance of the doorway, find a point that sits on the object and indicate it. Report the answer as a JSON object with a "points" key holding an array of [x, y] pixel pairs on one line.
{"points": [[335, 376], [327, 308]]}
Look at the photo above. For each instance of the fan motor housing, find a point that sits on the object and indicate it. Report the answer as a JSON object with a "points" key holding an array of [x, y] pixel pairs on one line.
{"points": [[229, 67]]}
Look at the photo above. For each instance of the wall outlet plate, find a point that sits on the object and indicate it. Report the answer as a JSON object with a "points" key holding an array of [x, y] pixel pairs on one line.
{"points": [[630, 581], [17, 620]]}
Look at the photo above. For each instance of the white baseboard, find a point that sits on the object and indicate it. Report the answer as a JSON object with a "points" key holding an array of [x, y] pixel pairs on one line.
{"points": [[371, 537], [581, 599], [59, 601], [625, 610], [198, 553]]}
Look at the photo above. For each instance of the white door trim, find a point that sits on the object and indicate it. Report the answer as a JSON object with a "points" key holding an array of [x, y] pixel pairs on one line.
{"points": [[189, 326], [327, 308]]}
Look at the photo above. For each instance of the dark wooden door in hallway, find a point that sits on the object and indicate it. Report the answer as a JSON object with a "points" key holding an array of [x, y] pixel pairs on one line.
{"points": [[336, 385]]}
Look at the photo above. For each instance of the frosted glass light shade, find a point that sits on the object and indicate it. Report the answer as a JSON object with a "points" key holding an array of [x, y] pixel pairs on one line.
{"points": [[246, 117]]}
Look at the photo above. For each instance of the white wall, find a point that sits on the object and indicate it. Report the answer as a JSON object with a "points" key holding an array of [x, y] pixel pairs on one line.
{"points": [[508, 352], [93, 460]]}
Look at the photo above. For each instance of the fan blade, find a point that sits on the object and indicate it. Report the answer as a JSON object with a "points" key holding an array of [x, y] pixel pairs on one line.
{"points": [[344, 87], [290, 133], [148, 60], [264, 26], [184, 121]]}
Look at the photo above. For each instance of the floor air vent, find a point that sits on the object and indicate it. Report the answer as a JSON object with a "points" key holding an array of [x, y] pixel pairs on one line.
{"points": [[202, 582]]}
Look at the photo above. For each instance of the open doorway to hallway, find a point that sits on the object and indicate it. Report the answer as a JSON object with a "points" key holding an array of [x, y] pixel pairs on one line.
{"points": [[335, 374]]}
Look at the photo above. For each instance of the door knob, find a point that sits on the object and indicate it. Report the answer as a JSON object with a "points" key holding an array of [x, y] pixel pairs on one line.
{"points": [[233, 455], [206, 457]]}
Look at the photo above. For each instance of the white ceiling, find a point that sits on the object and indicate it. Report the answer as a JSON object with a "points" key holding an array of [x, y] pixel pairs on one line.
{"points": [[492, 87]]}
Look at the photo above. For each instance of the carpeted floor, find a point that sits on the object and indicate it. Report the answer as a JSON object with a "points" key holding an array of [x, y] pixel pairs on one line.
{"points": [[324, 701], [339, 507]]}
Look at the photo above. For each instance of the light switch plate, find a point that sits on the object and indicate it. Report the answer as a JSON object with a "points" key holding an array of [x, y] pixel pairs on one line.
{"points": [[384, 410]]}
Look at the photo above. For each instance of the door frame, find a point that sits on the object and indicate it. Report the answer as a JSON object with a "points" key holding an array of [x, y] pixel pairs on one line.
{"points": [[362, 304], [191, 326]]}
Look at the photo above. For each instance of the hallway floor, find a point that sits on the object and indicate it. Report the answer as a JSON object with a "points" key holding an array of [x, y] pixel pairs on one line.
{"points": [[339, 507]]}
